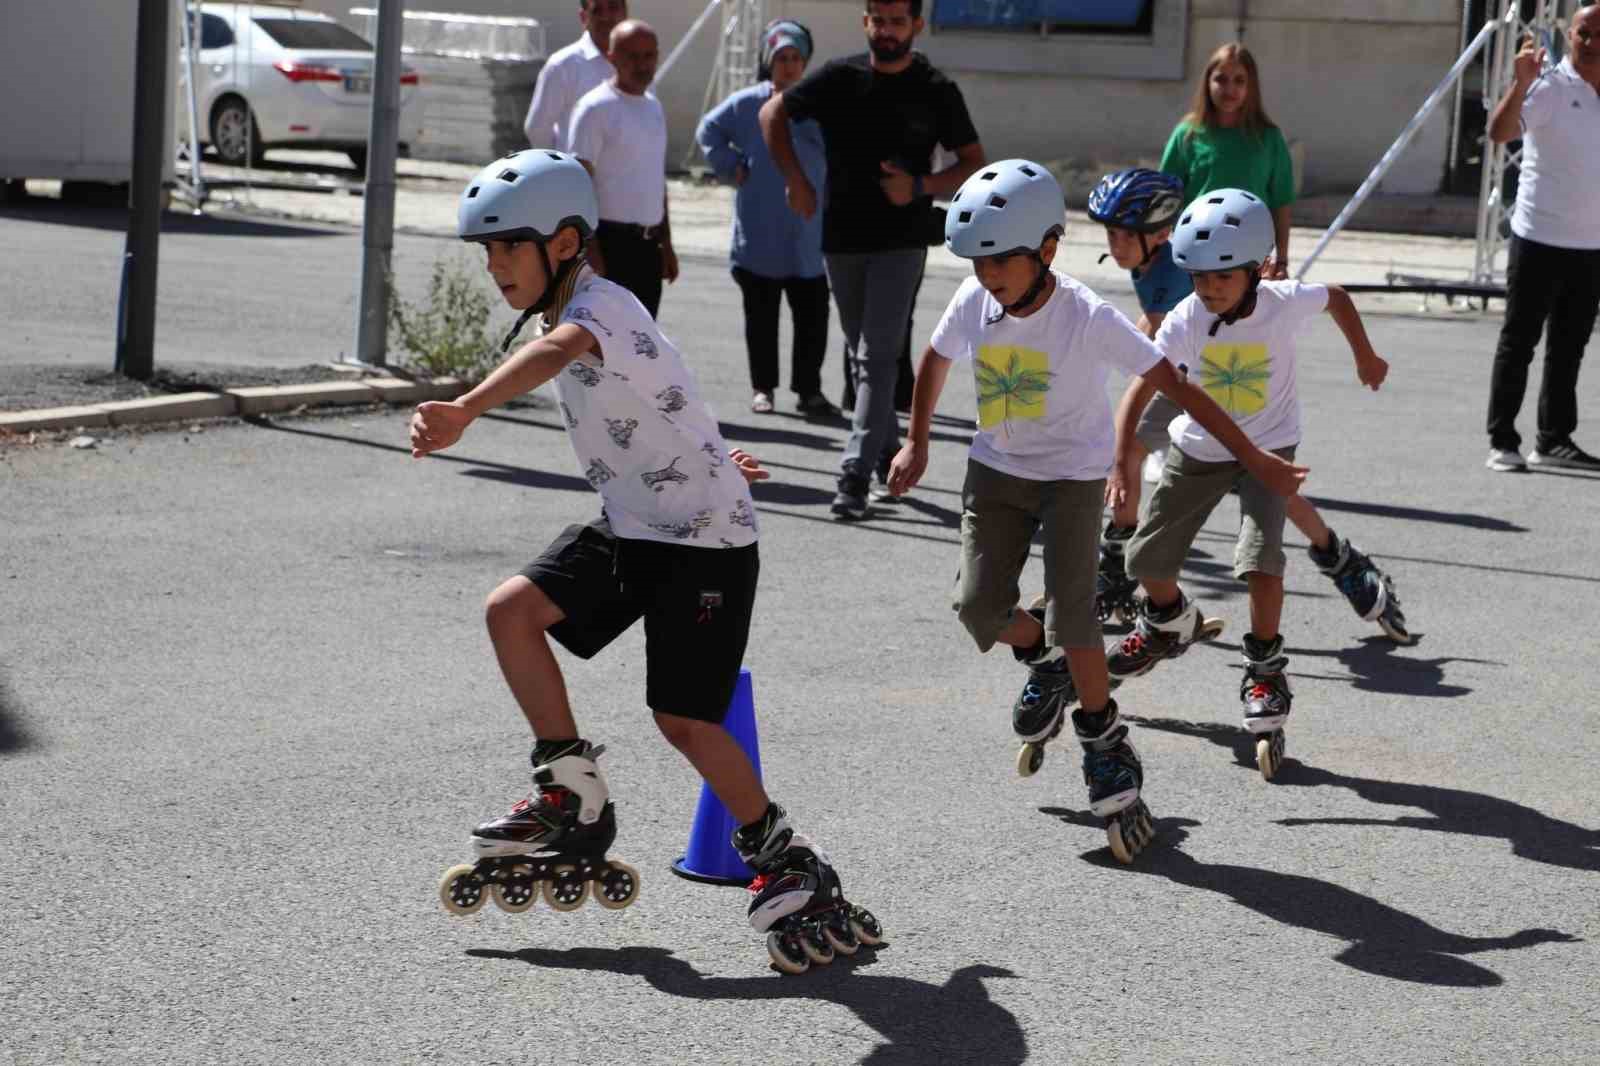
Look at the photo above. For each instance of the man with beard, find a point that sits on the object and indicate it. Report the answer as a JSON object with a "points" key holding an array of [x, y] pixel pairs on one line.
{"points": [[882, 114], [1553, 274]]}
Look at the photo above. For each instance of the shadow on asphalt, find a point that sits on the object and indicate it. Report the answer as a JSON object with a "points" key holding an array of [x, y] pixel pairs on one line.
{"points": [[13, 737], [85, 216], [1419, 514], [922, 1022], [1383, 941], [1378, 664], [1532, 835]]}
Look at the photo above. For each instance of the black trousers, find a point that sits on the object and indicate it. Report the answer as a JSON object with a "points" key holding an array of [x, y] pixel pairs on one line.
{"points": [[808, 306], [1543, 283], [633, 260]]}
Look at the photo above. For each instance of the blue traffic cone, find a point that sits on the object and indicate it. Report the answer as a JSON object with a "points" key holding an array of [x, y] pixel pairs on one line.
{"points": [[710, 857]]}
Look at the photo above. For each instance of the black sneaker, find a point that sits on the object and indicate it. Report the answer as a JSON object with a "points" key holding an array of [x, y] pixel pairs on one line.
{"points": [[1566, 454], [817, 406], [850, 503]]}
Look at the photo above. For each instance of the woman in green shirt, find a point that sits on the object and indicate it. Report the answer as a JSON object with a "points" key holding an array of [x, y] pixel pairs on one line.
{"points": [[1226, 141]]}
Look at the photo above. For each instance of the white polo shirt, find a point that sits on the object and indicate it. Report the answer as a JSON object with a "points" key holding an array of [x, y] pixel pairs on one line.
{"points": [[624, 137], [1557, 202], [564, 78]]}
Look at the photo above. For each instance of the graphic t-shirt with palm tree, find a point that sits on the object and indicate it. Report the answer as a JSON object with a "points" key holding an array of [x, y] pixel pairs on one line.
{"points": [[1248, 368], [1043, 411]]}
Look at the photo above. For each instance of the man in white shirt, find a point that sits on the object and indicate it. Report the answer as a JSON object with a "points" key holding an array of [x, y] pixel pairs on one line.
{"points": [[619, 131], [1553, 273], [571, 72]]}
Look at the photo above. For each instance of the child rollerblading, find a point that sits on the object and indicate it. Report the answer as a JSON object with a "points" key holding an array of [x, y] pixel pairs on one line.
{"points": [[1369, 590], [1238, 332], [676, 547], [1041, 345]]}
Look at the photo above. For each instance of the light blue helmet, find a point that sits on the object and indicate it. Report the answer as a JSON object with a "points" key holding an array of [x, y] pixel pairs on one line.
{"points": [[1009, 206], [1223, 230], [528, 195]]}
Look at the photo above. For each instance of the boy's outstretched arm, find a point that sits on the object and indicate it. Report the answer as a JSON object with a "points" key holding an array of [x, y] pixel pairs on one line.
{"points": [[912, 460], [437, 425], [1371, 368], [1278, 475], [1129, 410]]}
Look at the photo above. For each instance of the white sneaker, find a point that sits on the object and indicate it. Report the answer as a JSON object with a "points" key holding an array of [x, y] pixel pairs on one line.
{"points": [[1505, 460], [1154, 463]]}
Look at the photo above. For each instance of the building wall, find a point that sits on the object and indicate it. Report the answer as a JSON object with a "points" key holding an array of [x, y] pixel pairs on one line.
{"points": [[1340, 79]]}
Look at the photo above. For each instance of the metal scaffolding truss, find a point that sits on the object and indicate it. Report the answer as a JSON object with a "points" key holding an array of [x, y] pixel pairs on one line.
{"points": [[1544, 21], [738, 55]]}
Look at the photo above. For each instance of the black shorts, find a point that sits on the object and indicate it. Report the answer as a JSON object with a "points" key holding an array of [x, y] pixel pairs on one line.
{"points": [[696, 604]]}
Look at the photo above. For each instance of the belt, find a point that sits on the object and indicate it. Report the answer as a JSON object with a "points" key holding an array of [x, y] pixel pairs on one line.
{"points": [[633, 229]]}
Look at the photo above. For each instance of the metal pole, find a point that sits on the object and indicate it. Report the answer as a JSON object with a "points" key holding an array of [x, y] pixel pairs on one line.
{"points": [[683, 42], [136, 333], [377, 227], [197, 181], [1399, 145]]}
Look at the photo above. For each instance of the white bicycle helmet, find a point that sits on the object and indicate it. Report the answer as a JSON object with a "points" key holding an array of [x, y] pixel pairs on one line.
{"points": [[528, 195], [1223, 230], [1007, 207]]}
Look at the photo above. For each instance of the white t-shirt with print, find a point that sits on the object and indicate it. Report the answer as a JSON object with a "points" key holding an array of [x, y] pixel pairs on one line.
{"points": [[1042, 407], [625, 138], [644, 438], [1556, 201], [1248, 368]]}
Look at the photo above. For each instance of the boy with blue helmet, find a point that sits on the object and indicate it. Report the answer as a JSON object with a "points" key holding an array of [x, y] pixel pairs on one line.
{"points": [[676, 545], [1237, 334], [1138, 208], [1041, 345]]}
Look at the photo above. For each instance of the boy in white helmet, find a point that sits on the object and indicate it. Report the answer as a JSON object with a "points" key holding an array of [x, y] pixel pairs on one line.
{"points": [[1236, 334], [676, 545], [1040, 345]]}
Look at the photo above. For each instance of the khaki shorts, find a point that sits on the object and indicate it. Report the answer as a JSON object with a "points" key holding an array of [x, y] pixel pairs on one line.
{"points": [[1152, 431], [999, 515], [1180, 505]]}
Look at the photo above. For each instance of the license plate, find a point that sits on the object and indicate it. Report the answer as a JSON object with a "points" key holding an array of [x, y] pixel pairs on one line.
{"points": [[358, 83]]}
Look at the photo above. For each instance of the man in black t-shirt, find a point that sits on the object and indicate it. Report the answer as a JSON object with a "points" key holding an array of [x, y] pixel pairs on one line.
{"points": [[882, 114]]}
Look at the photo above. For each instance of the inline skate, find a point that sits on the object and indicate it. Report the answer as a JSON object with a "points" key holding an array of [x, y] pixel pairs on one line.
{"points": [[1041, 708], [1160, 633], [1369, 590], [553, 843], [1115, 776], [1266, 697], [1113, 589]]}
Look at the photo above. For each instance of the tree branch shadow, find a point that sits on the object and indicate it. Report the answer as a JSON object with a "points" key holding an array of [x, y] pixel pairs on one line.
{"points": [[921, 1022], [1532, 834], [1382, 940], [13, 737], [1378, 664]]}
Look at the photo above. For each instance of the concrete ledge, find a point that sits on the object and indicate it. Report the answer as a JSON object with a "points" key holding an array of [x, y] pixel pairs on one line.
{"points": [[176, 408], [269, 399], [53, 418], [398, 390], [444, 388]]}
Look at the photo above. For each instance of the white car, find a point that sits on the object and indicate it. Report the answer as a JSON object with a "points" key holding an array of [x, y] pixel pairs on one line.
{"points": [[269, 76]]}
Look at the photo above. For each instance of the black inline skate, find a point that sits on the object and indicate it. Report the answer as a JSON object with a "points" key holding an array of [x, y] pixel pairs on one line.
{"points": [[1041, 707], [552, 843], [1113, 589], [796, 898], [1159, 633], [1115, 776], [1266, 697], [1369, 590]]}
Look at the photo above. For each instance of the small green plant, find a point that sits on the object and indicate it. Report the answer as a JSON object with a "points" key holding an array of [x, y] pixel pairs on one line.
{"points": [[449, 333]]}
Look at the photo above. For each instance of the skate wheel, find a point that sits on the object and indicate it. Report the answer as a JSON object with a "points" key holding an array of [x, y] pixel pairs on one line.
{"points": [[1030, 758], [617, 887], [517, 891], [836, 930], [1127, 615], [814, 944], [461, 890], [1269, 753], [565, 890], [786, 954], [1211, 629], [1121, 847]]}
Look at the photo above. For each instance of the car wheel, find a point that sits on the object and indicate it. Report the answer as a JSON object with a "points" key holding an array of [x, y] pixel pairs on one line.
{"points": [[233, 132], [358, 157]]}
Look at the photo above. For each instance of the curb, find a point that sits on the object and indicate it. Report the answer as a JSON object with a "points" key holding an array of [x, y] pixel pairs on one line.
{"points": [[253, 400]]}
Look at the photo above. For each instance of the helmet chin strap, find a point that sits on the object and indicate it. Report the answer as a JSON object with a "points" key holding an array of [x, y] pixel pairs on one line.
{"points": [[1243, 308], [1040, 279], [556, 288]]}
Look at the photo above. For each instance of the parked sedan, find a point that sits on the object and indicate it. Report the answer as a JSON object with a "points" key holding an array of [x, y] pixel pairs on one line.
{"points": [[276, 77]]}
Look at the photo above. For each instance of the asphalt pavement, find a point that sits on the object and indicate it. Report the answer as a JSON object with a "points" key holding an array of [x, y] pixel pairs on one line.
{"points": [[249, 714]]}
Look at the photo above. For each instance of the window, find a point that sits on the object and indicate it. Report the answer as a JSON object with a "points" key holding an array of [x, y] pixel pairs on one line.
{"points": [[1045, 16], [313, 34], [214, 30]]}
